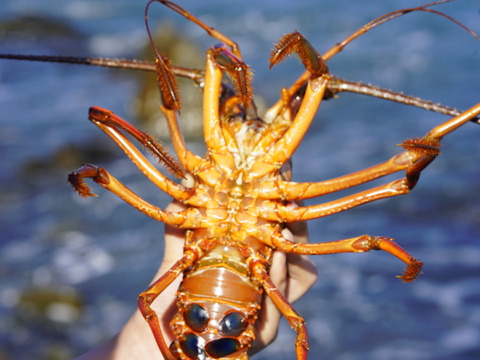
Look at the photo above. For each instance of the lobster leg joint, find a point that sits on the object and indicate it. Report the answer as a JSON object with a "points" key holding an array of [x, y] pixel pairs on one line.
{"points": [[366, 243], [97, 174]]}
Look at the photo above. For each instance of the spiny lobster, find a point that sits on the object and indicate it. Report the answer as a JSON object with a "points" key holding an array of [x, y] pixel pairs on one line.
{"points": [[238, 197]]}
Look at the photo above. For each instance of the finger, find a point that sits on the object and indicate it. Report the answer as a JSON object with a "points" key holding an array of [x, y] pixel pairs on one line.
{"points": [[174, 240], [299, 230], [165, 304], [302, 272]]}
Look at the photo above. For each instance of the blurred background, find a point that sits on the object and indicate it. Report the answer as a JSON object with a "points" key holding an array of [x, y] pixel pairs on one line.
{"points": [[71, 268]]}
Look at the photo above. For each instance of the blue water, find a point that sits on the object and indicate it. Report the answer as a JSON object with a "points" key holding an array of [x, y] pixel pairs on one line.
{"points": [[106, 253]]}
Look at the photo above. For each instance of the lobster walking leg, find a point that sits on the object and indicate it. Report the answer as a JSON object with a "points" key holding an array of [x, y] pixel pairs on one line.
{"points": [[292, 191], [274, 211], [188, 218], [214, 139], [449, 126], [296, 322], [146, 298], [364, 243]]}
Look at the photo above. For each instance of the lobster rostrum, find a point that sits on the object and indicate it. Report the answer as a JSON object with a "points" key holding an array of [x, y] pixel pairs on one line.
{"points": [[239, 197]]}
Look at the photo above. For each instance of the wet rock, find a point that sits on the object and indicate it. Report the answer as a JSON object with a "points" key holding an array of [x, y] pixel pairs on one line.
{"points": [[48, 307], [44, 32]]}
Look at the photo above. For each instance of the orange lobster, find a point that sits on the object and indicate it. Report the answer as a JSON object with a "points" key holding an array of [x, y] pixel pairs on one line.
{"points": [[238, 197]]}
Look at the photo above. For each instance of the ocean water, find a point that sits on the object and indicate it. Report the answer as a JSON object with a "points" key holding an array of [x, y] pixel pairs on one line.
{"points": [[71, 268]]}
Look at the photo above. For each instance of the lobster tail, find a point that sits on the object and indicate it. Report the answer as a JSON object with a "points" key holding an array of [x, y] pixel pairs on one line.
{"points": [[218, 305]]}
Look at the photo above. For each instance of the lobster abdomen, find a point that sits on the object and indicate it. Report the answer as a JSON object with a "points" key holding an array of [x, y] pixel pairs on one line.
{"points": [[218, 305]]}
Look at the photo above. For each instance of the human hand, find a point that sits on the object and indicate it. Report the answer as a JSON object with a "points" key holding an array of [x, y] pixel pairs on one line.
{"points": [[292, 274]]}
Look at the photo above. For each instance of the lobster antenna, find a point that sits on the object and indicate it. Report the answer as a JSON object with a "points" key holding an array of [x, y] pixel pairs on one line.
{"points": [[397, 13], [393, 15]]}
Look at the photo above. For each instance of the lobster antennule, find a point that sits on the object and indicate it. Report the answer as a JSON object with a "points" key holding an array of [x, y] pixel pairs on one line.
{"points": [[169, 93], [240, 74]]}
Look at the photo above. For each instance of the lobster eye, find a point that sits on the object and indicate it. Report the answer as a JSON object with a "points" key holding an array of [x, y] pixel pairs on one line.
{"points": [[233, 324], [192, 345], [196, 317], [222, 347]]}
